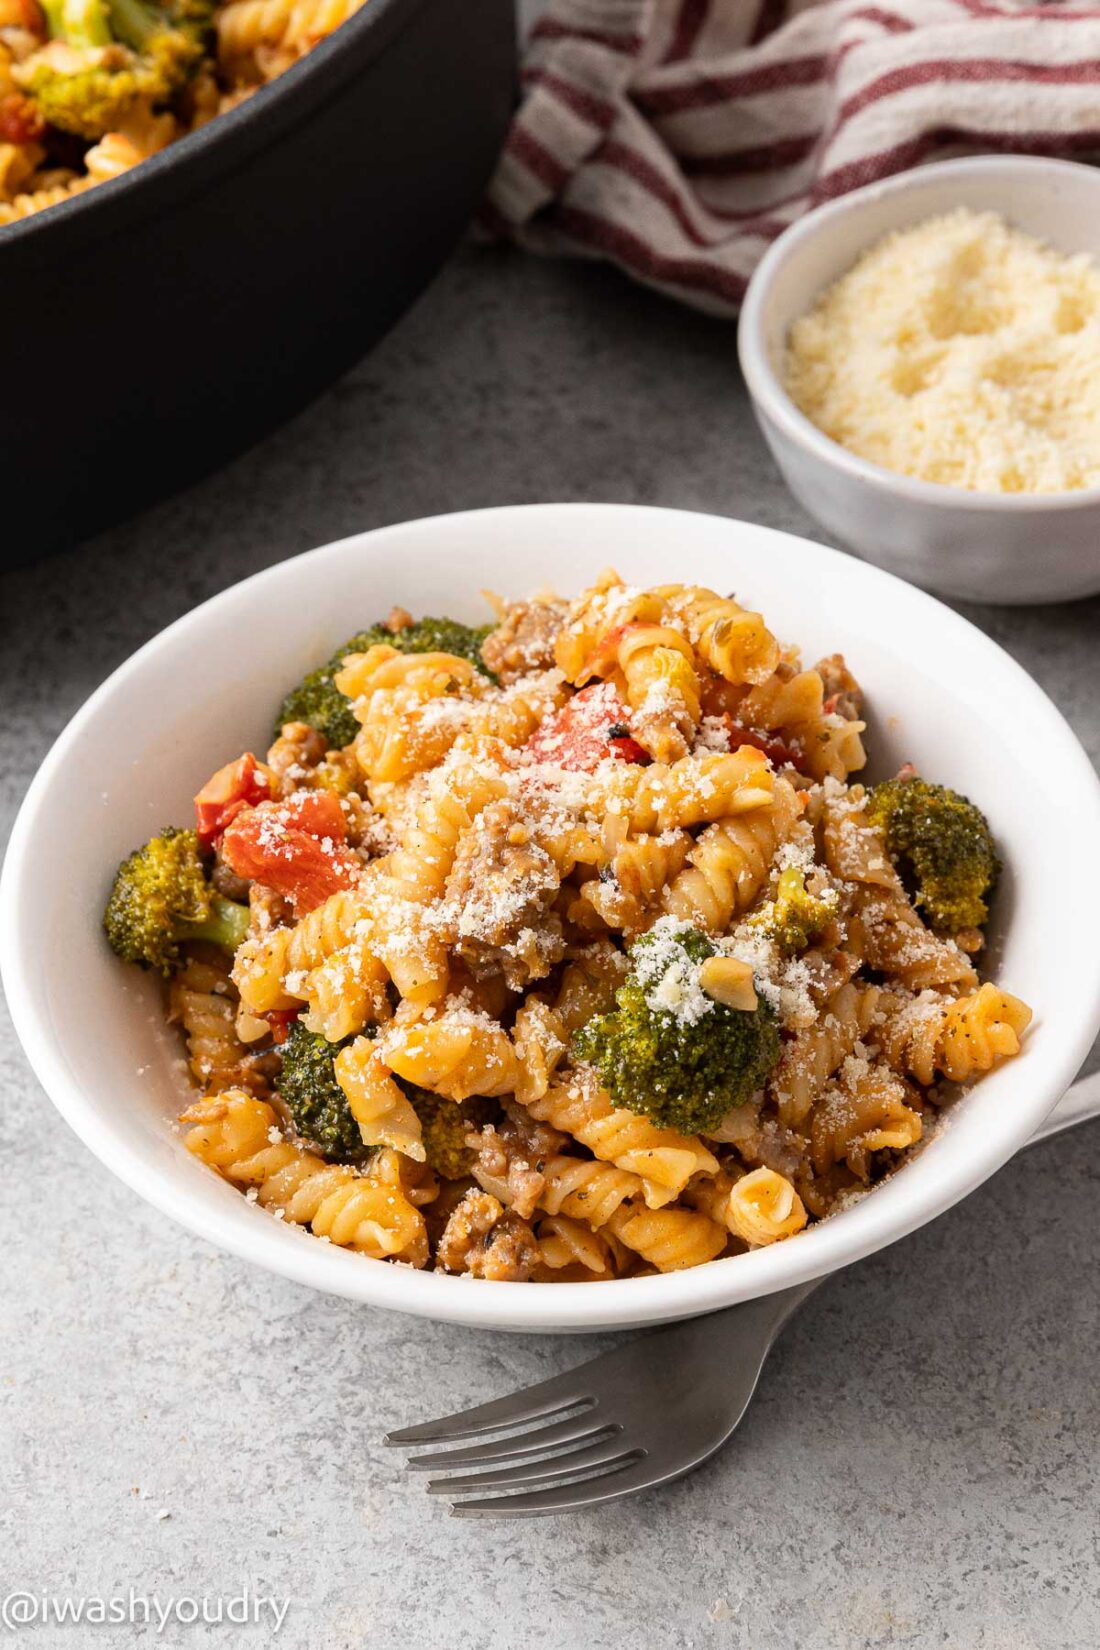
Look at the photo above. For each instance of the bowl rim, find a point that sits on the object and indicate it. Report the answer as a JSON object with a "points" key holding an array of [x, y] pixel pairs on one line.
{"points": [[767, 388], [822, 1249], [278, 106]]}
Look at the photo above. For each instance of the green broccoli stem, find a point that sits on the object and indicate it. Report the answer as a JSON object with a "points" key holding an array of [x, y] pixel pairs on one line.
{"points": [[226, 926], [78, 22], [133, 22]]}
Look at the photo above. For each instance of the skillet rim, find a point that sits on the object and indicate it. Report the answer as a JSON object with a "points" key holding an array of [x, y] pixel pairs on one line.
{"points": [[225, 144]]}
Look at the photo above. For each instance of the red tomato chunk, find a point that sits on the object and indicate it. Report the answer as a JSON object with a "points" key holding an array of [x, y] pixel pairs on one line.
{"points": [[240, 784], [591, 727], [298, 847], [280, 1020], [779, 753], [20, 121]]}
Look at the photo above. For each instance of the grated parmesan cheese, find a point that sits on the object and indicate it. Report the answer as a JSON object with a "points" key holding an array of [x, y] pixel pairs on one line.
{"points": [[959, 351], [669, 976]]}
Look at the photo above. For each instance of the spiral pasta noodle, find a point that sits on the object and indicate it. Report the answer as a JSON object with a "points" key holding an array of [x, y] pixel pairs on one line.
{"points": [[565, 1243], [956, 1038], [660, 684], [600, 1195], [736, 644], [669, 1239], [794, 706], [239, 1136], [638, 880], [729, 863], [384, 1115], [891, 938], [663, 1159], [455, 1053], [870, 1111], [763, 1207], [815, 1054], [693, 791], [202, 1000]]}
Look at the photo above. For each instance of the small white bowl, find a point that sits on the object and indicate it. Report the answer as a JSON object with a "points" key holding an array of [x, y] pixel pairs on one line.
{"points": [[939, 692], [987, 547]]}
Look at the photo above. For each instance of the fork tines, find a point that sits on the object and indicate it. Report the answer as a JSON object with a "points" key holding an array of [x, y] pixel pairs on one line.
{"points": [[561, 1453]]}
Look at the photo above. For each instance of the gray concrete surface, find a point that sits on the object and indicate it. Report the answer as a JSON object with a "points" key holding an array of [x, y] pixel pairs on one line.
{"points": [[921, 1466]]}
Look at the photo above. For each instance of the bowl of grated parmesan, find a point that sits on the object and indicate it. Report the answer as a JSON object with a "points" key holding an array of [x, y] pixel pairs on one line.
{"points": [[923, 358]]}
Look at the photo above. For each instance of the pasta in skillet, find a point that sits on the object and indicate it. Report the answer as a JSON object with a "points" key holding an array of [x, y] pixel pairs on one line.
{"points": [[90, 88], [570, 948]]}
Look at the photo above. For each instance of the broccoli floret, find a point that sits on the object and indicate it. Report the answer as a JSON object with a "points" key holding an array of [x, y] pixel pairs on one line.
{"points": [[943, 846], [317, 1104], [323, 1118], [318, 701], [795, 918], [445, 1125], [106, 56], [161, 899], [685, 1065]]}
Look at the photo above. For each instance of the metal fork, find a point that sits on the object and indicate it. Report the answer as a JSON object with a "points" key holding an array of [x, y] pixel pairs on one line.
{"points": [[628, 1421]]}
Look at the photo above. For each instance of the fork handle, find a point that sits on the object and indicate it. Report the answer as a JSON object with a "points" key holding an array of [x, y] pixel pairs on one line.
{"points": [[1079, 1104]]}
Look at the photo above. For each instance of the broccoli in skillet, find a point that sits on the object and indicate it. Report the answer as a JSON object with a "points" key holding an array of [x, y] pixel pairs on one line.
{"points": [[943, 845], [104, 58], [319, 702], [161, 898], [668, 1050]]}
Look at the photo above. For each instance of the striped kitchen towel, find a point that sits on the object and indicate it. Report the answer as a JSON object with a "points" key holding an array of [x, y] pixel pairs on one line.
{"points": [[677, 138]]}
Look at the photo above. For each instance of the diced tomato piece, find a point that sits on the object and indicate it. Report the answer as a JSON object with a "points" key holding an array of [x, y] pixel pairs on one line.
{"points": [[778, 752], [627, 749], [591, 727], [240, 784], [31, 16], [298, 847], [20, 121], [280, 1020]]}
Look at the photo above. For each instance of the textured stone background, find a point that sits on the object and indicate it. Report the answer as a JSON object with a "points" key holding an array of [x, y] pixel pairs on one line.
{"points": [[920, 1468]]}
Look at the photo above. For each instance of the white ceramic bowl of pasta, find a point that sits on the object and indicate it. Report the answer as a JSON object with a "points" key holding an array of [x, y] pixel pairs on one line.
{"points": [[940, 693], [985, 547]]}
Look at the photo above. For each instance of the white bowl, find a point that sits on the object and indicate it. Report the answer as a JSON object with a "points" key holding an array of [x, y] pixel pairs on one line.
{"points": [[987, 547], [940, 693]]}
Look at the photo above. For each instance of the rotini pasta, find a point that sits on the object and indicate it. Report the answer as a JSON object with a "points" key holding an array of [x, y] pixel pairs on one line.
{"points": [[203, 1000], [870, 1110], [382, 1110], [814, 1054], [593, 968], [764, 1207], [729, 863], [452, 1051], [238, 1135], [736, 645], [955, 1038], [664, 1160], [570, 1243]]}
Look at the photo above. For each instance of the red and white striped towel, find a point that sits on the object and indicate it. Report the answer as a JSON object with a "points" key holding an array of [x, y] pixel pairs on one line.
{"points": [[678, 137]]}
